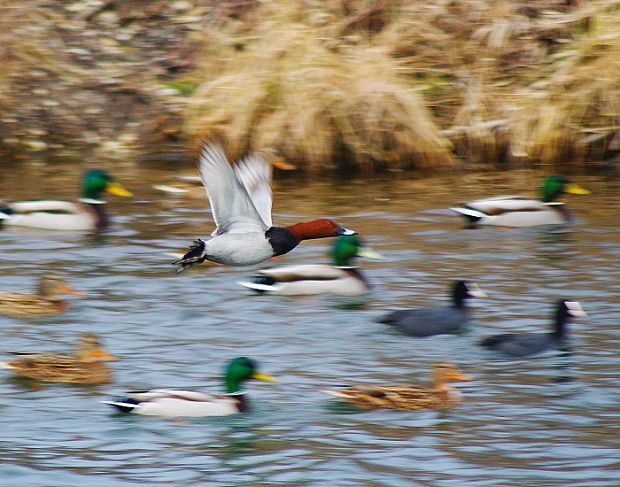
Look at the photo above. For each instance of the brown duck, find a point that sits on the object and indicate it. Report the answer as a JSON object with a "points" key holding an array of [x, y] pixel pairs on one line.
{"points": [[85, 366], [45, 302], [408, 397]]}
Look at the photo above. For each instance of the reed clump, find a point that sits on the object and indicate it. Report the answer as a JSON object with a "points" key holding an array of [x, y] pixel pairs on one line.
{"points": [[389, 84], [365, 84], [290, 83], [573, 110]]}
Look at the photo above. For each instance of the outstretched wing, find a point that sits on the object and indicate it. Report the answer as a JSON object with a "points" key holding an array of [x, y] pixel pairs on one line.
{"points": [[232, 207], [254, 174]]}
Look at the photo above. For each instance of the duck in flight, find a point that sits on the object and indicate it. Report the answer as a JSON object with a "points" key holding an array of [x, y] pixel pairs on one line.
{"points": [[240, 199]]}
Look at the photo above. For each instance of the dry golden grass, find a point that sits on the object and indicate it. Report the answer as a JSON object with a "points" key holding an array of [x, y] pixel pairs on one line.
{"points": [[319, 99], [366, 84], [517, 82], [579, 96], [381, 83]]}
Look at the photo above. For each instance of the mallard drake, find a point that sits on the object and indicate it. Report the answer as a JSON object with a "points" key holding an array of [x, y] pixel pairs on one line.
{"points": [[180, 402], [45, 302], [408, 397], [423, 322], [241, 204], [88, 213], [519, 211], [340, 278], [84, 367], [523, 344]]}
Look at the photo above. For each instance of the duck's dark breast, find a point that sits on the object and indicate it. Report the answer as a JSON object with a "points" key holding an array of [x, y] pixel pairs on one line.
{"points": [[281, 240], [101, 216]]}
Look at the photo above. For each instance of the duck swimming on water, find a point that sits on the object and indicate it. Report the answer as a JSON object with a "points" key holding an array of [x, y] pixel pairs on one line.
{"points": [[85, 366], [45, 302], [88, 213], [519, 211], [241, 202], [524, 344], [342, 278], [439, 395], [171, 403], [436, 320]]}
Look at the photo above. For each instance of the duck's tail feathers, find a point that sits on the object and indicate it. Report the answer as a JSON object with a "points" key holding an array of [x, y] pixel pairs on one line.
{"points": [[469, 213], [259, 283], [123, 404], [491, 341], [392, 318], [5, 365], [259, 288], [197, 254], [5, 212]]}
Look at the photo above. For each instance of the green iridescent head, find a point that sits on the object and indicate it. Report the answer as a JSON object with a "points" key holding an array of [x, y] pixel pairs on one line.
{"points": [[241, 369], [554, 186], [347, 247], [96, 181]]}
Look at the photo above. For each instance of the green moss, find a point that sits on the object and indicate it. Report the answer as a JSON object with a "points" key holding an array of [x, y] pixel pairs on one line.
{"points": [[187, 88]]}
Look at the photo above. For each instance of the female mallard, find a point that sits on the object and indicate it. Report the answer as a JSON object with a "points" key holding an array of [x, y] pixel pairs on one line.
{"points": [[436, 320], [523, 344], [178, 402], [408, 397], [519, 211], [84, 367], [341, 278], [88, 213], [45, 302], [240, 201]]}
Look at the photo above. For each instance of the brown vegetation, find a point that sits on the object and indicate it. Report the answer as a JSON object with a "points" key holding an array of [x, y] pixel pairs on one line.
{"points": [[381, 83], [92, 76], [369, 84]]}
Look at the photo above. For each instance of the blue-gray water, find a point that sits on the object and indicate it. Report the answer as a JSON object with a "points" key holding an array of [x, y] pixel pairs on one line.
{"points": [[518, 426]]}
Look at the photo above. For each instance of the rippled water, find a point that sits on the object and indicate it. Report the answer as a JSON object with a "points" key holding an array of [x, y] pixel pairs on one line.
{"points": [[519, 425]]}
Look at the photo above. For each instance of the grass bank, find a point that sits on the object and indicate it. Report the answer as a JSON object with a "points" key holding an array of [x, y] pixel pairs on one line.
{"points": [[376, 84], [363, 84]]}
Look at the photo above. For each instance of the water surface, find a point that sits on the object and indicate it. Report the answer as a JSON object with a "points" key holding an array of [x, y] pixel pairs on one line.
{"points": [[546, 420]]}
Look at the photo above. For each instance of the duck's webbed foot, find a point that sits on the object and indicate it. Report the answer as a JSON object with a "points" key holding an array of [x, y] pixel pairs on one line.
{"points": [[197, 254]]}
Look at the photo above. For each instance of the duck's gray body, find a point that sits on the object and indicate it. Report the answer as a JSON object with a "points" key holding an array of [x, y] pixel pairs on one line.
{"points": [[513, 211]]}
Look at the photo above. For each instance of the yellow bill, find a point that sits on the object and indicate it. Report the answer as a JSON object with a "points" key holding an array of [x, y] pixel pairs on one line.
{"points": [[118, 190], [258, 375], [368, 253], [573, 188]]}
